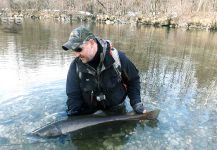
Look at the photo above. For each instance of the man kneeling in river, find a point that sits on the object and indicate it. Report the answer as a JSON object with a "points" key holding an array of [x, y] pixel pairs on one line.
{"points": [[100, 77]]}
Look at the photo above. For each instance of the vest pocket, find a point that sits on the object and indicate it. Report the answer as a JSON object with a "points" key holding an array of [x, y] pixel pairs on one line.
{"points": [[116, 95], [87, 83], [110, 82]]}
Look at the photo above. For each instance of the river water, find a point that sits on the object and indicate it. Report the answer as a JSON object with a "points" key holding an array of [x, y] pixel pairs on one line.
{"points": [[178, 75]]}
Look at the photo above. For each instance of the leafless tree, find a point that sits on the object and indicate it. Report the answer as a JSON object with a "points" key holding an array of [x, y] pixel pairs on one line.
{"points": [[117, 7]]}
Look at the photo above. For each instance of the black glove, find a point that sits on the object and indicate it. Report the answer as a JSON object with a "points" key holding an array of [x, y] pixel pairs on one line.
{"points": [[71, 112], [139, 108]]}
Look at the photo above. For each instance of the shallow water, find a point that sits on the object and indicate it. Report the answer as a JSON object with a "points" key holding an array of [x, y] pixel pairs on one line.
{"points": [[178, 75]]}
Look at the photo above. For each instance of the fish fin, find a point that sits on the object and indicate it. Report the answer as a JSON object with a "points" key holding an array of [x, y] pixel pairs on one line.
{"points": [[99, 113]]}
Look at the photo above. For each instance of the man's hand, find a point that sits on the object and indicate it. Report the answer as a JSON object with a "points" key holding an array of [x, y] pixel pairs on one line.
{"points": [[144, 111], [139, 108], [71, 112]]}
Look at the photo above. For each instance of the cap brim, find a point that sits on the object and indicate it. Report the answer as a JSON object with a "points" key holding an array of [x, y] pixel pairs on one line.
{"points": [[67, 46], [71, 45]]}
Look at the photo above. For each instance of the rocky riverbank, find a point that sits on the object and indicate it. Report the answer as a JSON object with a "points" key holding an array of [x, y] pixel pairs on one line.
{"points": [[207, 21]]}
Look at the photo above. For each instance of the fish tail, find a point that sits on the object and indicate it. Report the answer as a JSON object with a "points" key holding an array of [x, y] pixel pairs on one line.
{"points": [[151, 115]]}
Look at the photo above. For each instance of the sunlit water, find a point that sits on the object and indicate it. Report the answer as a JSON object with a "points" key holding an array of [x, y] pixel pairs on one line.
{"points": [[178, 75]]}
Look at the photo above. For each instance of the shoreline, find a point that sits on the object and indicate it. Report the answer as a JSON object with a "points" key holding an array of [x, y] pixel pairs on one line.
{"points": [[202, 21]]}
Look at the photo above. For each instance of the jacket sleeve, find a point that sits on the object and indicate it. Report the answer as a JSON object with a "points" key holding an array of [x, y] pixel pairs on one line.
{"points": [[74, 100], [130, 77]]}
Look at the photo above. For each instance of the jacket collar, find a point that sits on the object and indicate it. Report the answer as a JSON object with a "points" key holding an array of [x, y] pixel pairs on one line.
{"points": [[105, 56]]}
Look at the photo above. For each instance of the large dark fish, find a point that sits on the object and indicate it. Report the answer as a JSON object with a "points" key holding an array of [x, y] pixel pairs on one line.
{"points": [[66, 126]]}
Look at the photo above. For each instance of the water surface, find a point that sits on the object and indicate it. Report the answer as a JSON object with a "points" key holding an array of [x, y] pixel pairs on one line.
{"points": [[178, 75]]}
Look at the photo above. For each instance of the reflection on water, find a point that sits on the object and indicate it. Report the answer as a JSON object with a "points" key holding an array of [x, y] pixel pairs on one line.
{"points": [[178, 75], [11, 28]]}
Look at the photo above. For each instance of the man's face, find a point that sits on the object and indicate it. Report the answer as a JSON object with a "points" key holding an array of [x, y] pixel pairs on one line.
{"points": [[87, 53]]}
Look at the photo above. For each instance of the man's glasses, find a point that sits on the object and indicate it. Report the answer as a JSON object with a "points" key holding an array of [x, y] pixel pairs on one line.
{"points": [[78, 49]]}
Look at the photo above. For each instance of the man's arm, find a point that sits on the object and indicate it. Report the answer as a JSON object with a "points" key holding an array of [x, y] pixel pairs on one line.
{"points": [[74, 100], [131, 78]]}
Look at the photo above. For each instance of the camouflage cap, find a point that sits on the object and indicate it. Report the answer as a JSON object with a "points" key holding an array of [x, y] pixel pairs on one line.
{"points": [[78, 37]]}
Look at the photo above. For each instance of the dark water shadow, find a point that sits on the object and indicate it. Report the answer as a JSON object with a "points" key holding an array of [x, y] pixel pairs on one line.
{"points": [[107, 135], [11, 28]]}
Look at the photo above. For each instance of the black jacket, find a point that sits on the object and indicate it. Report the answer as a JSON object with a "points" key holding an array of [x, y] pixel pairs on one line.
{"points": [[85, 84]]}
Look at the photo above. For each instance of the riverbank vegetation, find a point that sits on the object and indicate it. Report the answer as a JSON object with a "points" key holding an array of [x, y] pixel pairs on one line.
{"points": [[200, 14]]}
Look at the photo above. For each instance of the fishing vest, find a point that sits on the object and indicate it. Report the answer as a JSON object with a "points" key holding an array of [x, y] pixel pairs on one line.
{"points": [[116, 65], [103, 83]]}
